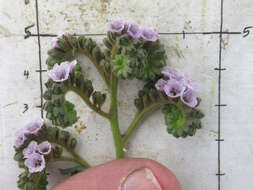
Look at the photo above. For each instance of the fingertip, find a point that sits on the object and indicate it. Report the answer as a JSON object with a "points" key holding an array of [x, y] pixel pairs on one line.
{"points": [[122, 174]]}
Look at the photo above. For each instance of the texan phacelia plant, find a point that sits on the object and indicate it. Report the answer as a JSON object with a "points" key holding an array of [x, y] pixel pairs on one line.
{"points": [[130, 52]]}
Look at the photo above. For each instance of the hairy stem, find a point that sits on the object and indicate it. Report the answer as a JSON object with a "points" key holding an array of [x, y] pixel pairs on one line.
{"points": [[114, 120], [80, 160], [76, 157], [140, 116], [89, 103]]}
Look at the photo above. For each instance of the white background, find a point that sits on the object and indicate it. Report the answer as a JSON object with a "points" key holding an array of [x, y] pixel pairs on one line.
{"points": [[193, 160]]}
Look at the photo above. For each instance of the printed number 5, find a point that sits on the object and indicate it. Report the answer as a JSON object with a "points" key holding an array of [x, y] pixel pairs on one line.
{"points": [[246, 31]]}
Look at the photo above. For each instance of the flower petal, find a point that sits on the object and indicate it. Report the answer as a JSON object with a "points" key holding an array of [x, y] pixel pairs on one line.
{"points": [[117, 26], [189, 98], [149, 35], [134, 31], [160, 84], [34, 127], [44, 148], [30, 149], [174, 89], [35, 163]]}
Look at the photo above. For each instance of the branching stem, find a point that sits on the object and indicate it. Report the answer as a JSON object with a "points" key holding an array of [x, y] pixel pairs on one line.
{"points": [[89, 103], [140, 115]]}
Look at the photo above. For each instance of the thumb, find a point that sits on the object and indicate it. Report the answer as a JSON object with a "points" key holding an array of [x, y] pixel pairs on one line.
{"points": [[125, 174]]}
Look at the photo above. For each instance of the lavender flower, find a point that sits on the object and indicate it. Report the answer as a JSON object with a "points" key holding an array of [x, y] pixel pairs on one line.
{"points": [[30, 149], [134, 30], [174, 89], [160, 84], [117, 26], [149, 35], [171, 73], [44, 148], [60, 72], [20, 138], [189, 83], [189, 98], [35, 163], [34, 127]]}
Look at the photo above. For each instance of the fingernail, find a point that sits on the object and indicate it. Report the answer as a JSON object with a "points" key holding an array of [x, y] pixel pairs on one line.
{"points": [[142, 179]]}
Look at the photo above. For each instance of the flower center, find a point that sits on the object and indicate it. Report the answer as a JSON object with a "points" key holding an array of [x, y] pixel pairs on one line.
{"points": [[174, 91], [38, 163]]}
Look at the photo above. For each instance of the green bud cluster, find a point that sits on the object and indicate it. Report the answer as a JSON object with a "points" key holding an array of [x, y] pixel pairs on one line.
{"points": [[134, 58], [60, 111], [70, 46], [148, 95], [28, 181], [98, 99], [181, 120], [61, 137]]}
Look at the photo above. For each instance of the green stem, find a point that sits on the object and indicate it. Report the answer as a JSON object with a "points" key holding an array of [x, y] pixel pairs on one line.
{"points": [[80, 160], [114, 119], [76, 157], [139, 116], [89, 103]]}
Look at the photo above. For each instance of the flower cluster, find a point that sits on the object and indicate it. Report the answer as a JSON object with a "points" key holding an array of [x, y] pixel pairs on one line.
{"points": [[133, 30], [34, 155], [61, 72], [31, 129], [175, 85]]}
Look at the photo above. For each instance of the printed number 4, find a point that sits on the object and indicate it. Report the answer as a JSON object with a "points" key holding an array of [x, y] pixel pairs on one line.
{"points": [[246, 31]]}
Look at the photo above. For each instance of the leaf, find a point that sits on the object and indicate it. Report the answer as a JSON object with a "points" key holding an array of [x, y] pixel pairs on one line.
{"points": [[174, 118], [181, 120], [36, 181], [72, 171]]}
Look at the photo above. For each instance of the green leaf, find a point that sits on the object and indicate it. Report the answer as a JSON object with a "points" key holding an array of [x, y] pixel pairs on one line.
{"points": [[121, 67], [181, 120], [72, 171], [35, 181], [174, 117]]}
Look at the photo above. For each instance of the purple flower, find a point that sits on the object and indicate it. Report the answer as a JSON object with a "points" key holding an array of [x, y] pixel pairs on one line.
{"points": [[44, 148], [189, 83], [60, 72], [171, 73], [20, 138], [30, 149], [134, 30], [174, 88], [117, 26], [149, 35], [160, 84], [34, 127], [35, 163], [189, 98]]}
